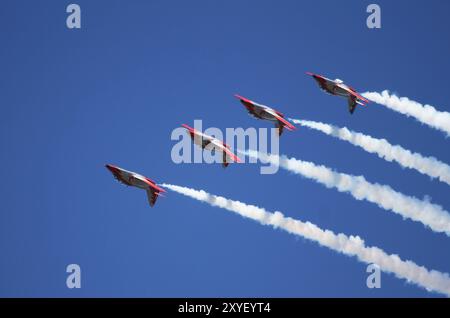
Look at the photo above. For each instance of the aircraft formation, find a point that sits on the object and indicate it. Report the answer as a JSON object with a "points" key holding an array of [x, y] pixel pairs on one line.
{"points": [[334, 87]]}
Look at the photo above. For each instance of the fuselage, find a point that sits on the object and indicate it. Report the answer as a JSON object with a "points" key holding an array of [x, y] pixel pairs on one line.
{"points": [[213, 144], [200, 138], [259, 111], [131, 178], [265, 112], [334, 87]]}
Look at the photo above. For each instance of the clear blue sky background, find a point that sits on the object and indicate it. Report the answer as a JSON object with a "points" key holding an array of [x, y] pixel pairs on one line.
{"points": [[112, 92]]}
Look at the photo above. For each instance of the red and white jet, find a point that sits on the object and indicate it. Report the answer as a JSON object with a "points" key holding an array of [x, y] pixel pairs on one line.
{"points": [[136, 180], [266, 113], [211, 143], [337, 87]]}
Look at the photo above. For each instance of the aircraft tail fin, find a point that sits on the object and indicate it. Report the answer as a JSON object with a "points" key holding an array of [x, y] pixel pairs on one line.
{"points": [[280, 127], [152, 196], [224, 160], [352, 102]]}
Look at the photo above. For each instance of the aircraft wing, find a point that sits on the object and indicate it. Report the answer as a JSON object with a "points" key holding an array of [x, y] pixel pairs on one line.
{"points": [[202, 141], [153, 185], [207, 141], [284, 122], [359, 99], [244, 100], [153, 192], [227, 153], [198, 138], [322, 81], [251, 106]]}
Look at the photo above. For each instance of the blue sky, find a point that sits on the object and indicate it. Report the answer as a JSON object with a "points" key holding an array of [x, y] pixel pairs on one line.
{"points": [[112, 92]]}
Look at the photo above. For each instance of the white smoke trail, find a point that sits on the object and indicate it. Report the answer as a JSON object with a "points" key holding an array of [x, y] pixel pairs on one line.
{"points": [[349, 245], [431, 215], [426, 114], [426, 165]]}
